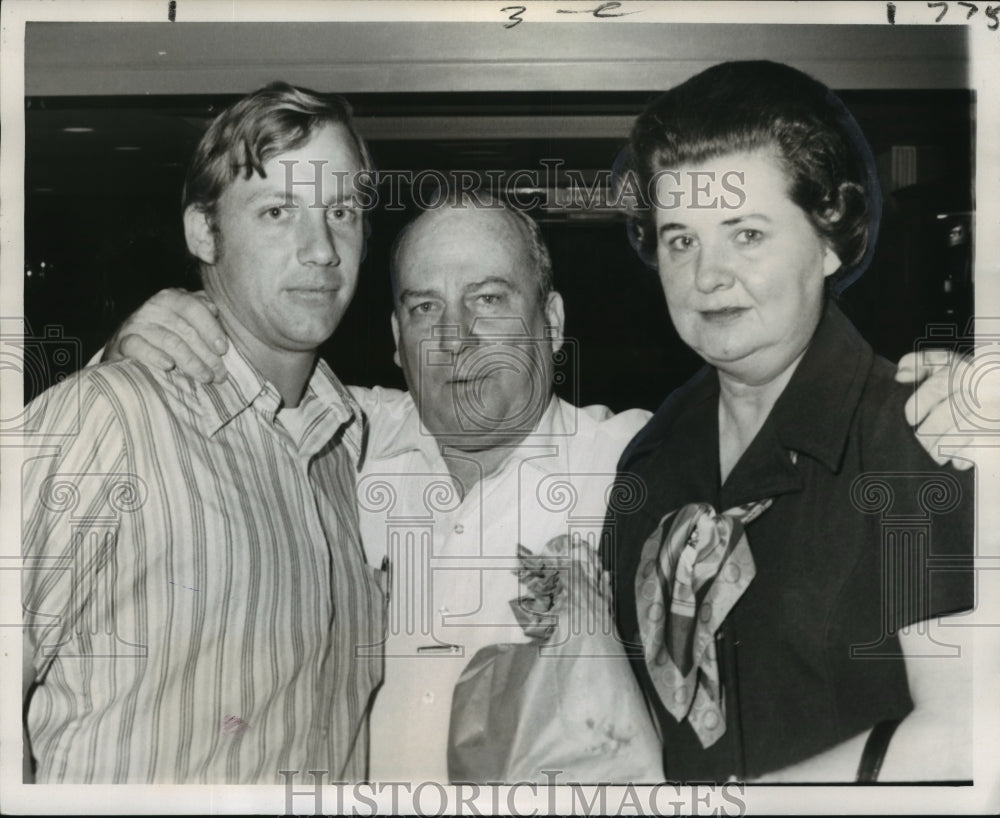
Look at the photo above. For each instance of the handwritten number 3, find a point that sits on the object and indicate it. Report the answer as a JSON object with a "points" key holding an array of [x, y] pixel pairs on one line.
{"points": [[515, 18]]}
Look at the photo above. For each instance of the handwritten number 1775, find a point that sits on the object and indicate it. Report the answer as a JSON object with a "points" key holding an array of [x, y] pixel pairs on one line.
{"points": [[990, 11]]}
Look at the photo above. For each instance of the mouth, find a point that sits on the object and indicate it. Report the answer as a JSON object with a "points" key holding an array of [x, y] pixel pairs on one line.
{"points": [[312, 293], [723, 315], [465, 381]]}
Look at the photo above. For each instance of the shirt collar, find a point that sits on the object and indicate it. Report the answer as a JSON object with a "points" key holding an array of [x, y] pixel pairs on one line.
{"points": [[409, 435], [244, 387], [552, 430], [812, 416], [326, 403]]}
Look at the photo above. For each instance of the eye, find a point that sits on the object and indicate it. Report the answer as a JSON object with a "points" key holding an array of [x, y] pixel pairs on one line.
{"points": [[275, 213], [490, 299], [342, 214], [422, 308], [682, 243], [749, 236]]}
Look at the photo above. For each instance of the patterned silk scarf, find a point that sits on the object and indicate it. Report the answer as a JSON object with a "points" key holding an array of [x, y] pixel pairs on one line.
{"points": [[693, 569]]}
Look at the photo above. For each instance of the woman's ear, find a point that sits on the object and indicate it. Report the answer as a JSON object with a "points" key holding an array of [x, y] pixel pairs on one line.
{"points": [[831, 261], [199, 234]]}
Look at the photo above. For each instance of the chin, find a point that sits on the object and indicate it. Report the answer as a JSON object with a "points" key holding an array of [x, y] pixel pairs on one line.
{"points": [[311, 335]]}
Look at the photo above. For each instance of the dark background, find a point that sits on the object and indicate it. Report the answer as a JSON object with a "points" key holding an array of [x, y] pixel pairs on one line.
{"points": [[103, 229]]}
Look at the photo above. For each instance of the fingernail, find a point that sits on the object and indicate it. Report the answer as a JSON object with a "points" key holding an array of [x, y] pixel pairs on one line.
{"points": [[220, 345]]}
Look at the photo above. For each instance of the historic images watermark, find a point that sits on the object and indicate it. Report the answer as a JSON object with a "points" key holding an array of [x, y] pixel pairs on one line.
{"points": [[522, 798], [548, 187]]}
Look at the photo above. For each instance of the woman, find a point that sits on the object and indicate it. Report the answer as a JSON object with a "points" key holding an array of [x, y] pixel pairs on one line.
{"points": [[773, 639]]}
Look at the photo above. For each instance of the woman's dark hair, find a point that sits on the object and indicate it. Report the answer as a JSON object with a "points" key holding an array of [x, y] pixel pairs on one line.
{"points": [[755, 105]]}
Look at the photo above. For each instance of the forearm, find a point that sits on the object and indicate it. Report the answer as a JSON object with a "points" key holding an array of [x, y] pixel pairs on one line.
{"points": [[925, 747], [931, 746], [934, 742], [838, 764]]}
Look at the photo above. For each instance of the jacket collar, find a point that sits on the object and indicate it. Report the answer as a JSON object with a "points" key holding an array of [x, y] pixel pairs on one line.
{"points": [[812, 416]]}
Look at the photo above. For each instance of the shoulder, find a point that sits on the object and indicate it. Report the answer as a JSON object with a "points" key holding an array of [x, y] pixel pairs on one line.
{"points": [[123, 390], [392, 418], [594, 435], [685, 403], [87, 393], [887, 440], [601, 421], [379, 399], [890, 454]]}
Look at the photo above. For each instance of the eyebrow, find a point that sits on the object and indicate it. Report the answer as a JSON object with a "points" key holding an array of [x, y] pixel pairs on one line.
{"points": [[261, 195], [406, 295], [490, 281], [746, 217], [280, 193], [666, 228]]}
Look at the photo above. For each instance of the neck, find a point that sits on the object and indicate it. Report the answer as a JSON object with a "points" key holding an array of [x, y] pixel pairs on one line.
{"points": [[470, 460], [289, 371], [467, 468], [743, 408]]}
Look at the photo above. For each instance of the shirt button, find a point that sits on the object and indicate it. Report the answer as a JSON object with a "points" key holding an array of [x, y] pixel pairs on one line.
{"points": [[459, 528], [428, 697]]}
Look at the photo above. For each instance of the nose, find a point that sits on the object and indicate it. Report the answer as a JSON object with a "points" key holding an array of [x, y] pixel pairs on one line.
{"points": [[315, 239], [456, 328], [713, 267]]}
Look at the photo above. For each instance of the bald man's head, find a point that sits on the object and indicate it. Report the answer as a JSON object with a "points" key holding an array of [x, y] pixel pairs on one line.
{"points": [[457, 208], [476, 323]]}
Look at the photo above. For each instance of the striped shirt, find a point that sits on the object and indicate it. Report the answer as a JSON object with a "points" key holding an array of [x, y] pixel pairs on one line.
{"points": [[195, 586]]}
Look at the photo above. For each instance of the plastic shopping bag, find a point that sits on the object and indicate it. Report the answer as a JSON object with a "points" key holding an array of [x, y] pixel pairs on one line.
{"points": [[564, 707]]}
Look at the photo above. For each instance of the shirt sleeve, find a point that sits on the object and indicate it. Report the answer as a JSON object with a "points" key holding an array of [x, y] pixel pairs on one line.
{"points": [[70, 484]]}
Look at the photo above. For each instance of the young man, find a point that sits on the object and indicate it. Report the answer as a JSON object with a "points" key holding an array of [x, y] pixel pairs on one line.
{"points": [[195, 586]]}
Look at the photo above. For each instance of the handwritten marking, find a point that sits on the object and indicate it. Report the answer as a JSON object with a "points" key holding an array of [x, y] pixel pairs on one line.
{"points": [[599, 12], [185, 587], [890, 13], [172, 10], [973, 9], [515, 17]]}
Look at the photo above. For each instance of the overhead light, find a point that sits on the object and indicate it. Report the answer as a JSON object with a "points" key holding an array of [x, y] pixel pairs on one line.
{"points": [[77, 129], [162, 53], [127, 148]]}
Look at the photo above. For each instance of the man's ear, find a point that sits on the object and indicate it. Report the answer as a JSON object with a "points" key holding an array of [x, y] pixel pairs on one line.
{"points": [[831, 261], [199, 234], [555, 319], [395, 336]]}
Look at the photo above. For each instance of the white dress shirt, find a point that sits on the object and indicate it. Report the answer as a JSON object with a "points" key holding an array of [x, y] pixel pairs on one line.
{"points": [[453, 559]]}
